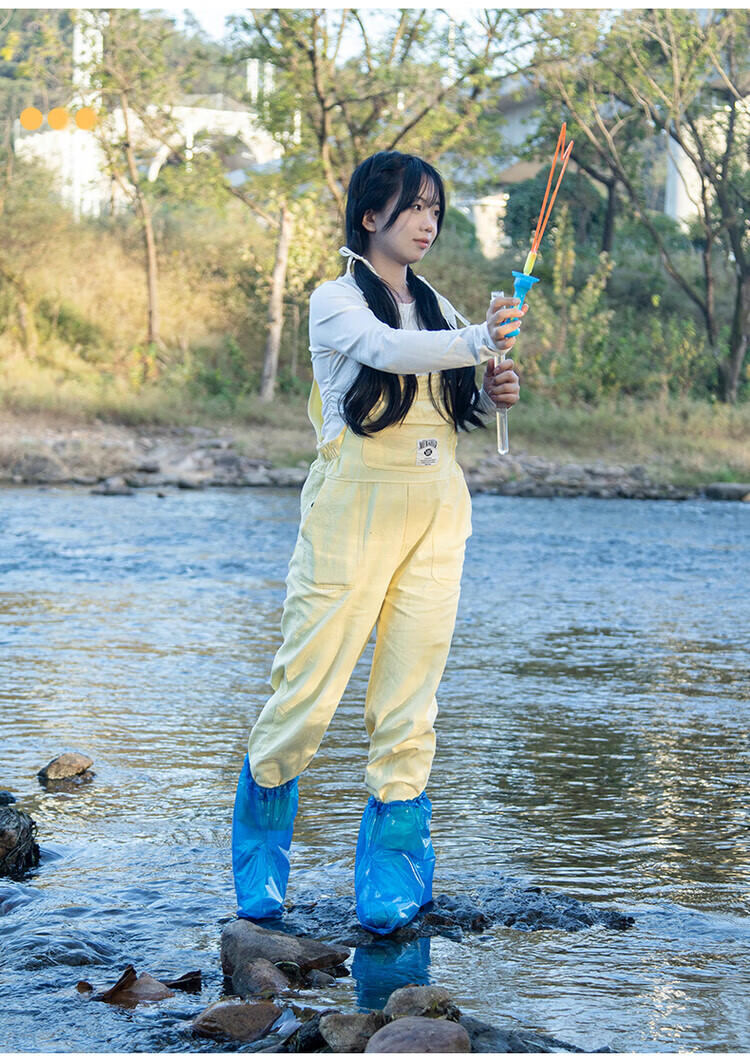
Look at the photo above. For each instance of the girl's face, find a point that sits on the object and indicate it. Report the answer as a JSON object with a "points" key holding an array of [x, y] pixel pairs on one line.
{"points": [[412, 233]]}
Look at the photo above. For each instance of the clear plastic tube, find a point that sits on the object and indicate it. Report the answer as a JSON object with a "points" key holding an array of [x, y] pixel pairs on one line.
{"points": [[501, 414]]}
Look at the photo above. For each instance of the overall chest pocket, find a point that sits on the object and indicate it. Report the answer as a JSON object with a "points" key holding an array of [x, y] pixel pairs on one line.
{"points": [[409, 447], [331, 534]]}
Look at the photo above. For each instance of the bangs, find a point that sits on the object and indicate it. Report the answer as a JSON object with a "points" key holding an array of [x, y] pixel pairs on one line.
{"points": [[419, 179]]}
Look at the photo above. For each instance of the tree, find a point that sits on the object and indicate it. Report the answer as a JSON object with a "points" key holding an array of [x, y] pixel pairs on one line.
{"points": [[685, 74], [406, 84]]}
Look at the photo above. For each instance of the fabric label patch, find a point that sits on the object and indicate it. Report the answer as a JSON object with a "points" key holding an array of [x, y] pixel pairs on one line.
{"points": [[427, 452]]}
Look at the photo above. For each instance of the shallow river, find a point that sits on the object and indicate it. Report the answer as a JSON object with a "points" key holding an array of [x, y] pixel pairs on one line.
{"points": [[592, 739]]}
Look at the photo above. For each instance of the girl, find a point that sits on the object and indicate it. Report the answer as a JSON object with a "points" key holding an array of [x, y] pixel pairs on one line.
{"points": [[385, 514]]}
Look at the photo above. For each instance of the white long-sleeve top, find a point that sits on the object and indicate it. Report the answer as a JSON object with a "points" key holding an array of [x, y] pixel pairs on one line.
{"points": [[345, 333]]}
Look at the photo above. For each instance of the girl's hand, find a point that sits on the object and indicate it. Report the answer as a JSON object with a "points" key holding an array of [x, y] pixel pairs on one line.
{"points": [[501, 383], [499, 315]]}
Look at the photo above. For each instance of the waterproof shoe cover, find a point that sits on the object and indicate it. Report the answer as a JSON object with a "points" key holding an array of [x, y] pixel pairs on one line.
{"points": [[261, 838], [394, 864]]}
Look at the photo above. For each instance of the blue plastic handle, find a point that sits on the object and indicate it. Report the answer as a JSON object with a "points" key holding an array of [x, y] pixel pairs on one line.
{"points": [[522, 284]]}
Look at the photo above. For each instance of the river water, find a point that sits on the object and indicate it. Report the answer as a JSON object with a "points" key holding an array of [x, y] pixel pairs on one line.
{"points": [[592, 740]]}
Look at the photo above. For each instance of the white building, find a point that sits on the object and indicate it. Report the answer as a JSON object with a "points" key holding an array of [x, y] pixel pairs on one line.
{"points": [[78, 161]]}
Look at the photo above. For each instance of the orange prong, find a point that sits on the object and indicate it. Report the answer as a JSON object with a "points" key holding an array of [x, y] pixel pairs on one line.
{"points": [[540, 232], [560, 145]]}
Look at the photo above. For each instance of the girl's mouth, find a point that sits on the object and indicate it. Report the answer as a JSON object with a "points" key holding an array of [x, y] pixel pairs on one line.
{"points": [[424, 243]]}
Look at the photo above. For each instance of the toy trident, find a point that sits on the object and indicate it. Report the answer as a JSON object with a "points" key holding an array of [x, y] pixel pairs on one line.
{"points": [[524, 281]]}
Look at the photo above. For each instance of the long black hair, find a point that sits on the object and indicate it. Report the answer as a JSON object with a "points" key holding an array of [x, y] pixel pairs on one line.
{"points": [[374, 182]]}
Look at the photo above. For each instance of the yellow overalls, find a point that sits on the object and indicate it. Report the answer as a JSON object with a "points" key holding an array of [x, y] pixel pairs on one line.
{"points": [[383, 529]]}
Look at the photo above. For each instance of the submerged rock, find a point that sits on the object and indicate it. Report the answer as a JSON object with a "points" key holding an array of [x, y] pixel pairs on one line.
{"points": [[417, 1035], [506, 902], [18, 849], [487, 1038], [6, 798], [65, 766], [237, 1020]]}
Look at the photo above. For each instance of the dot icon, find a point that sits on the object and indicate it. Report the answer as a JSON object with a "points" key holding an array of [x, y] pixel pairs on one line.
{"points": [[85, 118], [58, 118], [31, 118]]}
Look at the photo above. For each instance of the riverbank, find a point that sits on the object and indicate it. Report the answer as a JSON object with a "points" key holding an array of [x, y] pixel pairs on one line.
{"points": [[46, 449]]}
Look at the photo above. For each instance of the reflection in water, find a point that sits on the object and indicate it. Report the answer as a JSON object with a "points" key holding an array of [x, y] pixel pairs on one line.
{"points": [[592, 738], [380, 968]]}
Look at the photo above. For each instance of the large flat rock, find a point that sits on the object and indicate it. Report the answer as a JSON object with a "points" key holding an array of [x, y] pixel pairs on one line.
{"points": [[506, 902], [243, 944]]}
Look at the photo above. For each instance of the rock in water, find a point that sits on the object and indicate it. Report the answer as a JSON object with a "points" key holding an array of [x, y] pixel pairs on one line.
{"points": [[492, 1039], [236, 1020], [421, 1001], [65, 766], [6, 798], [350, 1033], [262, 979], [18, 850], [416, 1035], [244, 943]]}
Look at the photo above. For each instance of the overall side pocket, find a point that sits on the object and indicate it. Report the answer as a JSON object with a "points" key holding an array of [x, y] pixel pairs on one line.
{"points": [[331, 535], [450, 531]]}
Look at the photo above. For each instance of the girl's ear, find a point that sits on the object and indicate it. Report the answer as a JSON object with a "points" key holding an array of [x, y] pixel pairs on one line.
{"points": [[368, 221]]}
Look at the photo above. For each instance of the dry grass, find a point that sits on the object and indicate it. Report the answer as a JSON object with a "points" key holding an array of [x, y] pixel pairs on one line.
{"points": [[680, 441]]}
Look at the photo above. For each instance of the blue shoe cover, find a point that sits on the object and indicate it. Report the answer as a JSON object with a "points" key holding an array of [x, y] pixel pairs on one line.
{"points": [[261, 838], [395, 863]]}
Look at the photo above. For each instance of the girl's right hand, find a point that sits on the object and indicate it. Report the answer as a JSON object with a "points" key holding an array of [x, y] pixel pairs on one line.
{"points": [[504, 317]]}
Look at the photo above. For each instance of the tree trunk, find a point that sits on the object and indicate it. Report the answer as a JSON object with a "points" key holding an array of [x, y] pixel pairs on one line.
{"points": [[608, 238], [152, 273], [28, 326], [276, 306], [730, 368], [295, 339], [144, 212]]}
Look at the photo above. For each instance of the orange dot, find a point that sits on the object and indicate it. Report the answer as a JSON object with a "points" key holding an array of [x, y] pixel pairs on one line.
{"points": [[31, 118], [85, 118], [58, 118]]}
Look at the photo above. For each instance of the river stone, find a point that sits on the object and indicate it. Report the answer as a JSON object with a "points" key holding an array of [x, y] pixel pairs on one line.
{"points": [[65, 766], [287, 475], [727, 490], [492, 1039], [18, 850], [319, 980], [350, 1033], [115, 486], [420, 1035], [236, 1020], [308, 1037], [424, 1001], [243, 943], [262, 979], [6, 798]]}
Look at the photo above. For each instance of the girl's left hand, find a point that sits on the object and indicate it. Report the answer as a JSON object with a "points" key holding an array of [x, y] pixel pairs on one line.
{"points": [[502, 384]]}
